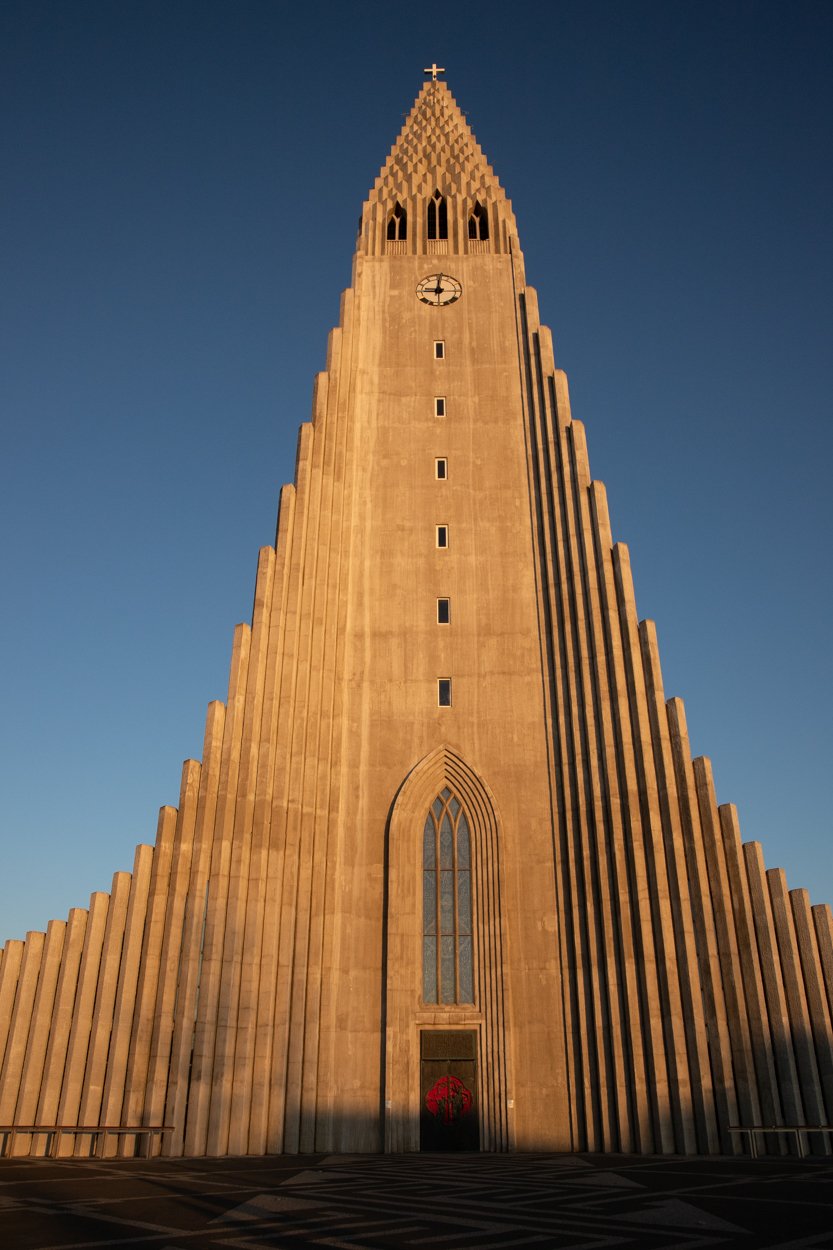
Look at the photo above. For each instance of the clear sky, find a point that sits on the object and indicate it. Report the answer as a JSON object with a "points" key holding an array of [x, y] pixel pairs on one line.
{"points": [[182, 180]]}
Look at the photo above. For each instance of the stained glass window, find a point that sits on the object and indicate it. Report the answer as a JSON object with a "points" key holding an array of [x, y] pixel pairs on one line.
{"points": [[447, 960]]}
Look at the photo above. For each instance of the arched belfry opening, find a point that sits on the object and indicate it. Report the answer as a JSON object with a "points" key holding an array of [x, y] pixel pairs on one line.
{"points": [[446, 1056], [397, 230], [437, 222], [479, 223]]}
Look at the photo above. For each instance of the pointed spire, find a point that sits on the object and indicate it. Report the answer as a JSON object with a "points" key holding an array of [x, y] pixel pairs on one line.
{"points": [[436, 148], [436, 151]]}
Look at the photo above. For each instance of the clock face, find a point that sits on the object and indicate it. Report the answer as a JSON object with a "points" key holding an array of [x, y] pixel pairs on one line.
{"points": [[439, 289]]}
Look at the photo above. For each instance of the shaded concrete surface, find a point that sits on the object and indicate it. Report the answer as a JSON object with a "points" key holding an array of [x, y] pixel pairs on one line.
{"points": [[435, 1202]]}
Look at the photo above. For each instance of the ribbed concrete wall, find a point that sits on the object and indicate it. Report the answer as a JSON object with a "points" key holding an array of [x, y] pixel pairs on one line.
{"points": [[667, 986]]}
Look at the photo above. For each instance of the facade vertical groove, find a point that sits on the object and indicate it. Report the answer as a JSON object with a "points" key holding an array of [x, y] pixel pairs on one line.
{"points": [[639, 981]]}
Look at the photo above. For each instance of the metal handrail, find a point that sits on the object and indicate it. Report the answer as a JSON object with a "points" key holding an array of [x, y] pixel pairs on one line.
{"points": [[795, 1129], [56, 1131]]}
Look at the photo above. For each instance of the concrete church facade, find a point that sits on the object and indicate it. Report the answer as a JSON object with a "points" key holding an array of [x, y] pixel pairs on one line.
{"points": [[446, 874]]}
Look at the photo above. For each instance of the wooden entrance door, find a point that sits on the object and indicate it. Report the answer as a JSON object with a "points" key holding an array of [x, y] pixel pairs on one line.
{"points": [[448, 1091]]}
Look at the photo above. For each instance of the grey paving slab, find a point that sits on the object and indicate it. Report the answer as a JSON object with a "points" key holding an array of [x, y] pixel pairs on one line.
{"points": [[417, 1202]]}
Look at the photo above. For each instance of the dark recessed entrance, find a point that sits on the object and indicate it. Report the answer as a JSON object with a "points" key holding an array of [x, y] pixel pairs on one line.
{"points": [[448, 1091]]}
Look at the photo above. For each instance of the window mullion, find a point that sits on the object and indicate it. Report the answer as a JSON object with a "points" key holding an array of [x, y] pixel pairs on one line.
{"points": [[438, 907], [456, 913]]}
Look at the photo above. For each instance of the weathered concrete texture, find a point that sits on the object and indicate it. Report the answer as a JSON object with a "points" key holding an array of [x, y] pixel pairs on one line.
{"points": [[641, 983]]}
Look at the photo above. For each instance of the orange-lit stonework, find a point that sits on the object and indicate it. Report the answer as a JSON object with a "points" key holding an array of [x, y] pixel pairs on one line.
{"points": [[446, 862]]}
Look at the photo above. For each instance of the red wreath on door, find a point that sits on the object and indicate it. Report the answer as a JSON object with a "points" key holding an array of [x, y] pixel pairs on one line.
{"points": [[448, 1099]]}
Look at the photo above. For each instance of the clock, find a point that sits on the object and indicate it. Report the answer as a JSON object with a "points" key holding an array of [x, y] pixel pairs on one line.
{"points": [[439, 289]]}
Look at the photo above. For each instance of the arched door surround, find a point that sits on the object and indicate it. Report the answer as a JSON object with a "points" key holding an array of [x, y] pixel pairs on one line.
{"points": [[407, 1014]]}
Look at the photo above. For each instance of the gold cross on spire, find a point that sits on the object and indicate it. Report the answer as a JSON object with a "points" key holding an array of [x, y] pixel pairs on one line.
{"points": [[433, 70]]}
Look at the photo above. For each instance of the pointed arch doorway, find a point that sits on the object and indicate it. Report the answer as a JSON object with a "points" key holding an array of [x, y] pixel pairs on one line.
{"points": [[446, 1052]]}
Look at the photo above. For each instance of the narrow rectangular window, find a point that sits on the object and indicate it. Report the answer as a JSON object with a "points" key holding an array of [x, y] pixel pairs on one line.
{"points": [[443, 611], [439, 349], [439, 406], [444, 691], [441, 468], [442, 535]]}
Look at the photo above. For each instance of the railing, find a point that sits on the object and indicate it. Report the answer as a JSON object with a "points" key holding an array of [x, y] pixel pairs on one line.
{"points": [[436, 245], [10, 1131], [796, 1129], [478, 245], [396, 247]]}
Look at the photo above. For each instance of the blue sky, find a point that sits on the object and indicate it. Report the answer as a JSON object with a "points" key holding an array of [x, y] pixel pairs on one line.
{"points": [[183, 181]]}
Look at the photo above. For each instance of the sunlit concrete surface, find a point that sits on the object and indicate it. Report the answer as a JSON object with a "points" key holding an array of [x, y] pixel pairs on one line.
{"points": [[436, 1202]]}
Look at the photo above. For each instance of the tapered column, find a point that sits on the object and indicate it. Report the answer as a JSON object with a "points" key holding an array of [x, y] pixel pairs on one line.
{"points": [[169, 957], [619, 748], [102, 1022], [223, 1136], [817, 1007], [698, 1130], [753, 984], [727, 945], [779, 1020], [668, 1068], [301, 815], [209, 1006], [82, 1014], [823, 922], [9, 973], [262, 946], [331, 407], [32, 1074], [284, 827], [61, 1024], [796, 996], [192, 933], [568, 809], [615, 912], [19, 1030], [133, 1109], [552, 467], [714, 1005], [565, 459], [341, 860], [112, 1099]]}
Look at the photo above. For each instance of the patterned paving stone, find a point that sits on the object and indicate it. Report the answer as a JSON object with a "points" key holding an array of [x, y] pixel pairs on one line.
{"points": [[417, 1202]]}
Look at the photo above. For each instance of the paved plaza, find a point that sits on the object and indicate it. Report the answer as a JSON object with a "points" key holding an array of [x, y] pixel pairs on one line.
{"points": [[430, 1202]]}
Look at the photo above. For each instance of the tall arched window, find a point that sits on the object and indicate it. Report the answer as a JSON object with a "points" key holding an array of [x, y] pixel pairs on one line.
{"points": [[447, 961], [478, 222], [398, 223], [437, 217]]}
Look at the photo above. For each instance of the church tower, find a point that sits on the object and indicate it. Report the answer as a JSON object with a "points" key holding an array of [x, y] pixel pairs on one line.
{"points": [[446, 874]]}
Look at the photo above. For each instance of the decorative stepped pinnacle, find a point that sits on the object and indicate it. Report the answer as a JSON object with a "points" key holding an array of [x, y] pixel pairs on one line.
{"points": [[436, 151]]}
